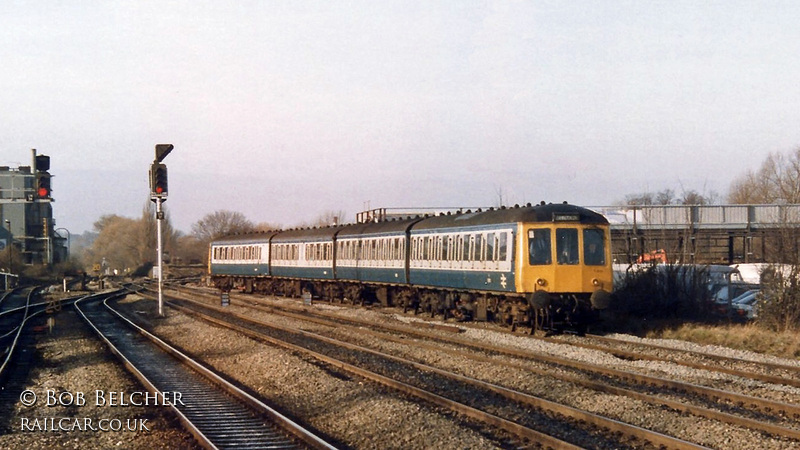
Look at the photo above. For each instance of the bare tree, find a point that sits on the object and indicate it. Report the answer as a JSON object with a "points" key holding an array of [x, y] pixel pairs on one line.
{"points": [[776, 181], [645, 198], [190, 250], [213, 226], [117, 244], [692, 197], [665, 197], [221, 223], [127, 244]]}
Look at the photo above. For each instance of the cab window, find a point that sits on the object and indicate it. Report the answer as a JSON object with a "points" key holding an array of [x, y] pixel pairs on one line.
{"points": [[539, 247], [567, 246], [594, 249]]}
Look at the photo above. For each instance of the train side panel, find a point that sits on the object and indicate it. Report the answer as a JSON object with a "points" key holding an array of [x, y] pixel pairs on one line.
{"points": [[311, 259], [372, 259], [476, 258], [239, 259]]}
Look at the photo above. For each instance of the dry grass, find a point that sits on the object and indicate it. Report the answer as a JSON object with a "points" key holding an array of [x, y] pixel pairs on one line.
{"points": [[744, 337]]}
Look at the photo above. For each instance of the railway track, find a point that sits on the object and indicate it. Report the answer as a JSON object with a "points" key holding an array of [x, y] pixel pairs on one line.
{"points": [[18, 312], [217, 413], [714, 414], [531, 418], [740, 410], [17, 309], [15, 346]]}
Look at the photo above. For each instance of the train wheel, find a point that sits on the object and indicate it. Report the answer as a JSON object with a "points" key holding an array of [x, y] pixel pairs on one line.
{"points": [[541, 320]]}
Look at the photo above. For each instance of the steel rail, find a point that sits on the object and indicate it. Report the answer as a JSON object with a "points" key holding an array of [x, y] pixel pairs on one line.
{"points": [[764, 405], [490, 419], [249, 423], [774, 379], [721, 358], [601, 387], [537, 402], [18, 329]]}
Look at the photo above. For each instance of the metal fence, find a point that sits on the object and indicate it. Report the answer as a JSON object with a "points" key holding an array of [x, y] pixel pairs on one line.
{"points": [[733, 217]]}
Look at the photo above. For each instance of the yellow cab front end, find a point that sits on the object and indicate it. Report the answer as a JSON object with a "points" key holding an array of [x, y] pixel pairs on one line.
{"points": [[565, 261]]}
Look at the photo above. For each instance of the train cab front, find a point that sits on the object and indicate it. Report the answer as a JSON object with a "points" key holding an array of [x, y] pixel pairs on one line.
{"points": [[567, 274]]}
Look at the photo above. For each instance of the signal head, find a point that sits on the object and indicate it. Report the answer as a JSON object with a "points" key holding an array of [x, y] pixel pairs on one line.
{"points": [[158, 180], [43, 188]]}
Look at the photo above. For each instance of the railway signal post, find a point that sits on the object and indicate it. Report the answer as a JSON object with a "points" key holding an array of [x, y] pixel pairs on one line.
{"points": [[158, 194]]}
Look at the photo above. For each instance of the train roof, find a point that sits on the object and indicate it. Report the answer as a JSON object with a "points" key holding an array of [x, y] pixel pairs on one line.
{"points": [[306, 234], [541, 213], [245, 238], [388, 226], [551, 212]]}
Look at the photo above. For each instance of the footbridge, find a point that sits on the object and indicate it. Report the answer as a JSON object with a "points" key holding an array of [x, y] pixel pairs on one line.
{"points": [[704, 234]]}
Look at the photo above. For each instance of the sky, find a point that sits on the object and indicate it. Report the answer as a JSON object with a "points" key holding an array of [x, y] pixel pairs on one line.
{"points": [[288, 110]]}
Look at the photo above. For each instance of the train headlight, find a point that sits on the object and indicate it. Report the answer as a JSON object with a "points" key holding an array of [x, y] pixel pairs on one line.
{"points": [[596, 282], [541, 282]]}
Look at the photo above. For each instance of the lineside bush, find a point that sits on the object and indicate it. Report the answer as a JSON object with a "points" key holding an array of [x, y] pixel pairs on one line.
{"points": [[779, 299], [662, 291]]}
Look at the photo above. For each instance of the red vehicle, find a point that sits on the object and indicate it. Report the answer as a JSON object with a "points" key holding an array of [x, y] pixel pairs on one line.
{"points": [[655, 257]]}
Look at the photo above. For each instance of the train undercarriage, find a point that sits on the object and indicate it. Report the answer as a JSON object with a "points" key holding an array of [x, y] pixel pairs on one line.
{"points": [[553, 314]]}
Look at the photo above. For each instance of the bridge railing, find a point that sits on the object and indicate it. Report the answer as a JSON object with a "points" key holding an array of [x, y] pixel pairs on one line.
{"points": [[743, 217]]}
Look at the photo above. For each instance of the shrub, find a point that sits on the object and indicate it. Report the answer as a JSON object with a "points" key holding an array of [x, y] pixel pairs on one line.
{"points": [[663, 291], [779, 299]]}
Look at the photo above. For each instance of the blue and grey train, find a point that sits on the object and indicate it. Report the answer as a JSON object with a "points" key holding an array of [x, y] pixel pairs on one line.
{"points": [[546, 266]]}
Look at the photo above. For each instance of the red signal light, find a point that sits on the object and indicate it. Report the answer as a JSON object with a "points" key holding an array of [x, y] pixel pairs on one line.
{"points": [[158, 179], [43, 185]]}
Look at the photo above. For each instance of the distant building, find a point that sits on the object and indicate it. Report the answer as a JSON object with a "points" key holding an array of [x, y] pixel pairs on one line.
{"points": [[26, 213]]}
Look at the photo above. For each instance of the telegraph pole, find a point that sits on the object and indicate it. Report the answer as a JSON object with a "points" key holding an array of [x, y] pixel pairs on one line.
{"points": [[158, 194]]}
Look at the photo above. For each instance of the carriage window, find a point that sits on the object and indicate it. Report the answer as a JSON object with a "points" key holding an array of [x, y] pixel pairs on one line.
{"points": [[540, 251], [594, 249], [476, 247], [567, 246], [502, 246]]}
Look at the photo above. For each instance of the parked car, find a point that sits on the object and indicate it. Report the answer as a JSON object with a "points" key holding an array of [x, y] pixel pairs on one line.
{"points": [[725, 297], [745, 306]]}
